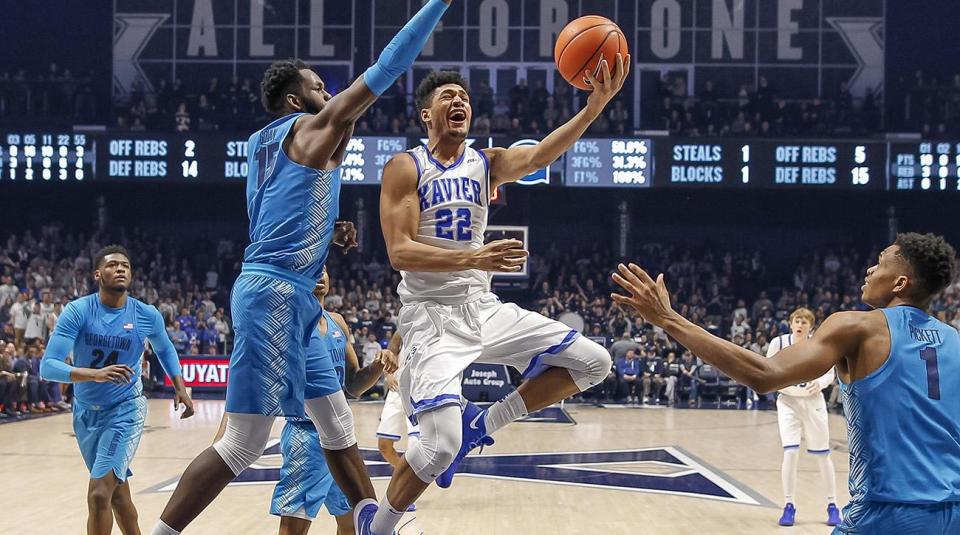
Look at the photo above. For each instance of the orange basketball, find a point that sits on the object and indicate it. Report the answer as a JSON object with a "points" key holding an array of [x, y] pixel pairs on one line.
{"points": [[583, 43]]}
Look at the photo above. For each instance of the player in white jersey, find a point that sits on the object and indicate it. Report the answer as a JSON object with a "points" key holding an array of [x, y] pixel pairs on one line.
{"points": [[393, 426], [433, 212], [801, 410]]}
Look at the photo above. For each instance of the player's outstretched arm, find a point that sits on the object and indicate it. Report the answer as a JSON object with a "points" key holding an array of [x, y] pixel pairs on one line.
{"points": [[357, 380], [509, 165], [838, 337], [170, 362], [347, 106], [400, 217], [54, 365]]}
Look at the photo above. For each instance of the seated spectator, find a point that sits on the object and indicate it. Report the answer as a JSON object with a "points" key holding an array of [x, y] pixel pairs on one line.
{"points": [[653, 377], [629, 369]]}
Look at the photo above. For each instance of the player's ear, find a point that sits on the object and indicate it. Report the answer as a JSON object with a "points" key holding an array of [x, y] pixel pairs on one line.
{"points": [[425, 116], [900, 284], [294, 101]]}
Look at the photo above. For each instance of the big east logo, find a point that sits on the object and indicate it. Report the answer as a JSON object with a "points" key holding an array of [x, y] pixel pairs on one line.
{"points": [[203, 372], [540, 176]]}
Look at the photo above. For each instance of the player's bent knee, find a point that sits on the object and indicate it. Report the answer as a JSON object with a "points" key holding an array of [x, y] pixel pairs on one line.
{"points": [[440, 436], [594, 363], [334, 420], [99, 496], [244, 439]]}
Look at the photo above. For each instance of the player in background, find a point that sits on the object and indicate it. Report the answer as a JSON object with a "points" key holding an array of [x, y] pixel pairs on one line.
{"points": [[305, 480], [433, 212], [801, 410], [899, 370], [394, 424], [105, 332], [293, 191]]}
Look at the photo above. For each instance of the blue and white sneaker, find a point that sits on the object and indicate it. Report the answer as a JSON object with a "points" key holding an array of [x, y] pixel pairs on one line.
{"points": [[363, 515], [789, 515], [833, 515], [474, 435]]}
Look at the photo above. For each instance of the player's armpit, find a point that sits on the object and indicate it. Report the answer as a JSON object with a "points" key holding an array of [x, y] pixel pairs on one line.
{"points": [[838, 337]]}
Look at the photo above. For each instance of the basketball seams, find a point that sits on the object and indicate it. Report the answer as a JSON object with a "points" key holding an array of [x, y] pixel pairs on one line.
{"points": [[599, 47], [578, 34]]}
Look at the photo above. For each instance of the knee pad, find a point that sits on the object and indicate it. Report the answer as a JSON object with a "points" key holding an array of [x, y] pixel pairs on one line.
{"points": [[334, 420], [440, 436], [592, 362], [244, 439]]}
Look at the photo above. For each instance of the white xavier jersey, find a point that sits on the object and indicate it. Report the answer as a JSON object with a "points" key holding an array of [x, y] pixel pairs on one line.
{"points": [[453, 215], [784, 341]]}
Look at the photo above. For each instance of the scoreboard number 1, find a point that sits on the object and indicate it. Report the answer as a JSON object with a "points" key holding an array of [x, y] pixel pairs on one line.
{"points": [[745, 170]]}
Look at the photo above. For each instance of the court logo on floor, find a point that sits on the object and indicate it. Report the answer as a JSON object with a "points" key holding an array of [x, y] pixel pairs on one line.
{"points": [[659, 470]]}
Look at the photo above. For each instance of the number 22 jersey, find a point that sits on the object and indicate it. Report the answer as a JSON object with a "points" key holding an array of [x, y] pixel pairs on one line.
{"points": [[104, 336], [453, 215]]}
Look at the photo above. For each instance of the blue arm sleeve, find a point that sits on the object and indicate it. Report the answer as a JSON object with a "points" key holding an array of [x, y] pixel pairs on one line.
{"points": [[399, 54], [54, 367], [161, 343]]}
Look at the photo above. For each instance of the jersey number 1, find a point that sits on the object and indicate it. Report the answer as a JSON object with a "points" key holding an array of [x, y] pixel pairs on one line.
{"points": [[929, 355]]}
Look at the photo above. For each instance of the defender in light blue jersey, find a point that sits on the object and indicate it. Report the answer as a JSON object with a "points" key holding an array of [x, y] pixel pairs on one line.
{"points": [[292, 194], [106, 332], [900, 375], [305, 481]]}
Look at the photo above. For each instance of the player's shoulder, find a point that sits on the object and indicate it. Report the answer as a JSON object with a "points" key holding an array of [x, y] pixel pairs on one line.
{"points": [[82, 305], [402, 170]]}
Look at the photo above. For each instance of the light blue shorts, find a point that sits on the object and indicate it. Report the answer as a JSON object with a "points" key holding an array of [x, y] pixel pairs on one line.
{"points": [[305, 481], [109, 436], [889, 518]]}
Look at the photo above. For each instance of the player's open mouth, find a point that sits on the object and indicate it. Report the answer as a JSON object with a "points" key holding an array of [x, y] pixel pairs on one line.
{"points": [[457, 117]]}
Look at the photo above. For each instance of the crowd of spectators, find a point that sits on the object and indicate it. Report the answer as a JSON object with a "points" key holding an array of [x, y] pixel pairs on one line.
{"points": [[235, 106], [55, 93], [732, 293], [760, 111], [932, 106]]}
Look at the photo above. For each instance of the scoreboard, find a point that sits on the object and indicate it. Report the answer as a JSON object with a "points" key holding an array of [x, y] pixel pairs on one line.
{"points": [[635, 162], [61, 157], [925, 166], [609, 163]]}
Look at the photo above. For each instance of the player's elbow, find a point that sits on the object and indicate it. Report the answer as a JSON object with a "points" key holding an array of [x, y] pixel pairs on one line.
{"points": [[47, 371]]}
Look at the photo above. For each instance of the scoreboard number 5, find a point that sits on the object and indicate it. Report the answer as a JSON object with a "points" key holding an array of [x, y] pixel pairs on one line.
{"points": [[860, 175]]}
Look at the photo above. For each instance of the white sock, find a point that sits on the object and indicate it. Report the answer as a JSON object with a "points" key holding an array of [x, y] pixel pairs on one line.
{"points": [[788, 473], [828, 476], [386, 519], [163, 529], [505, 411]]}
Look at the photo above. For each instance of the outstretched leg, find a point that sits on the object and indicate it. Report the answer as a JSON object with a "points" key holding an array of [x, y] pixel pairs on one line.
{"points": [[334, 421], [242, 443], [124, 510]]}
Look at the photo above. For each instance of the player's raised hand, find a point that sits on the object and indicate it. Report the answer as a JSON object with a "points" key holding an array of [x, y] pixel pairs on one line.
{"points": [[609, 84], [345, 235], [389, 361], [117, 373], [500, 255], [647, 297]]}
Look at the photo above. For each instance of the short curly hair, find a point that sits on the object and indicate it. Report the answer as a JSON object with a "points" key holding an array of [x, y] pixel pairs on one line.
{"points": [[931, 258], [103, 253], [281, 78], [424, 94]]}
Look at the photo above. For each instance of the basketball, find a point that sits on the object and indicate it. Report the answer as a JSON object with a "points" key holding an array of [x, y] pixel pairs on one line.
{"points": [[583, 43]]}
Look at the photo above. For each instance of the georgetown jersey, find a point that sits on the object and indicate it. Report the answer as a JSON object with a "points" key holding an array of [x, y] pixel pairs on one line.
{"points": [[106, 336], [903, 420], [782, 342], [333, 346], [453, 215], [292, 208]]}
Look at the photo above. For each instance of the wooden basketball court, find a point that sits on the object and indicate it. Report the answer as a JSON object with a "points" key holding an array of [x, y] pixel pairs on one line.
{"points": [[651, 470]]}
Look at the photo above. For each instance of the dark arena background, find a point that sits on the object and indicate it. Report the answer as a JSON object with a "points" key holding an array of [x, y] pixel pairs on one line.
{"points": [[760, 155]]}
